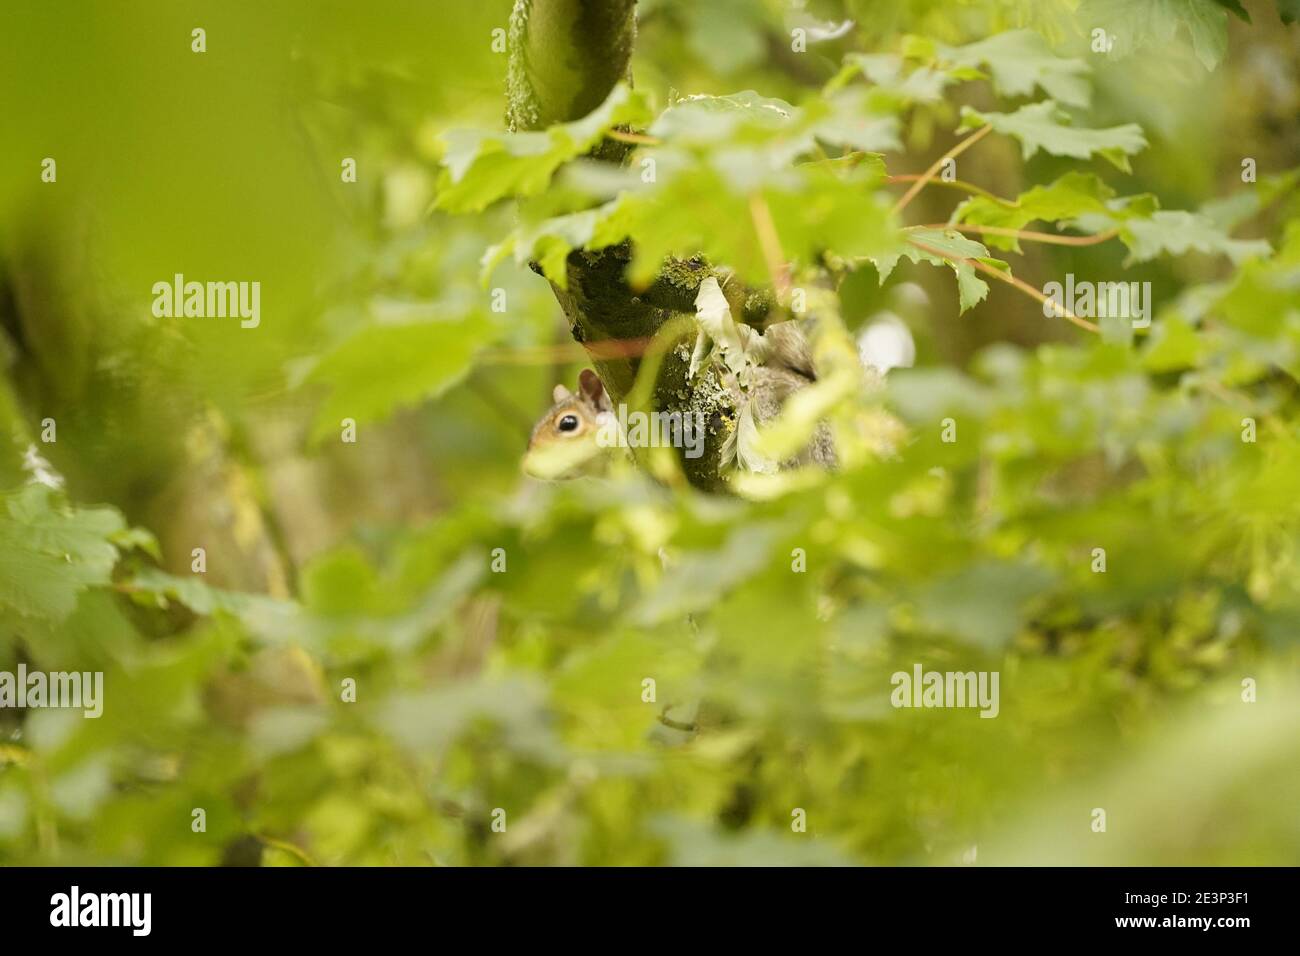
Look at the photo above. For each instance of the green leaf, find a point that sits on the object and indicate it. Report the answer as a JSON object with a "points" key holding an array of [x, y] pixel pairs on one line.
{"points": [[696, 844], [851, 119], [1176, 232], [845, 118], [1172, 344], [714, 119], [261, 614], [890, 78], [1263, 301], [723, 154], [429, 721], [50, 552], [699, 579], [383, 367], [945, 247], [548, 243], [1142, 24], [1018, 61], [479, 168], [980, 604], [1072, 195], [1045, 126], [1173, 232], [1230, 211], [737, 20], [699, 209], [924, 395]]}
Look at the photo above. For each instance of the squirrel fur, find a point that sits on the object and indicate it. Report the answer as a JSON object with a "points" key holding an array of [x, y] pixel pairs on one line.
{"points": [[564, 445]]}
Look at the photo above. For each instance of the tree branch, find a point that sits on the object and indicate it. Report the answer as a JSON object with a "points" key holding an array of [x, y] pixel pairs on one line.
{"points": [[1029, 235], [565, 57], [960, 184], [1011, 280], [929, 174]]}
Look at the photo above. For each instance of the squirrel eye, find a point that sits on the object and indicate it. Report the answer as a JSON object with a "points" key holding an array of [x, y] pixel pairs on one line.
{"points": [[568, 423]]}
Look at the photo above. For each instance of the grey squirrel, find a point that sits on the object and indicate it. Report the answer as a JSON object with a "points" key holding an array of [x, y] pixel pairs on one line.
{"points": [[564, 442]]}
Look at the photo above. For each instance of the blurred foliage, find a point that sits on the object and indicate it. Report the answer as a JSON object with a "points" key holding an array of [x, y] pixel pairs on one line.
{"points": [[497, 632]]}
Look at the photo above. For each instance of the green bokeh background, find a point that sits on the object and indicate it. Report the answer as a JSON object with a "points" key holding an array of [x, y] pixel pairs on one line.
{"points": [[330, 562]]}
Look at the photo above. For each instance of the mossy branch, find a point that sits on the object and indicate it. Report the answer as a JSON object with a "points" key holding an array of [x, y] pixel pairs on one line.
{"points": [[565, 58]]}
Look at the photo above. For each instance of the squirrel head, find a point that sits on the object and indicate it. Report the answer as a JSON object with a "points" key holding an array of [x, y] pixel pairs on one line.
{"points": [[564, 441]]}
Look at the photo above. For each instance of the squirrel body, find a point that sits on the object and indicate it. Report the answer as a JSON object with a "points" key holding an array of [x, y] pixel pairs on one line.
{"points": [[565, 443], [771, 387]]}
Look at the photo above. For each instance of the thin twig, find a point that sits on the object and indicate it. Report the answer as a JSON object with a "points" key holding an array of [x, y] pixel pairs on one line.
{"points": [[1020, 284], [770, 242], [500, 403], [1246, 403], [1028, 234], [929, 174], [286, 847], [564, 352], [950, 184], [1221, 392], [639, 138], [685, 726]]}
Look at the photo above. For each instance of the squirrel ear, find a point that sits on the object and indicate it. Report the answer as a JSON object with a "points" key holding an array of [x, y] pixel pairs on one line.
{"points": [[592, 389], [560, 394]]}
